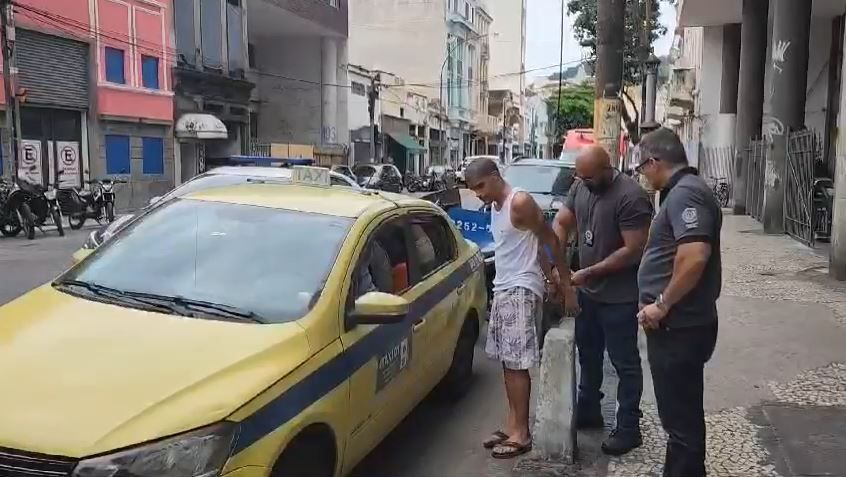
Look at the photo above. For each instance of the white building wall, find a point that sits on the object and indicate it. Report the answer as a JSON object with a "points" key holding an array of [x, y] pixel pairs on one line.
{"points": [[818, 63], [508, 44], [405, 38], [359, 115], [718, 129]]}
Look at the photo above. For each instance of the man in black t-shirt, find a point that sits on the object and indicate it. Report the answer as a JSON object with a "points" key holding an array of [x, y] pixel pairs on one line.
{"points": [[679, 281], [610, 214]]}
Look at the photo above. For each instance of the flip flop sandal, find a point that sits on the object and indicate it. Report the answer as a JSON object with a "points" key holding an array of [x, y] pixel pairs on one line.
{"points": [[495, 439], [517, 449]]}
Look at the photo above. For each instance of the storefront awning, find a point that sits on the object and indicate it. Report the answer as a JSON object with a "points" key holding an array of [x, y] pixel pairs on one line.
{"points": [[200, 126], [406, 141]]}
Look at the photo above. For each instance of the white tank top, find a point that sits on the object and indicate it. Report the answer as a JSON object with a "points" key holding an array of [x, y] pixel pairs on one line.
{"points": [[516, 252]]}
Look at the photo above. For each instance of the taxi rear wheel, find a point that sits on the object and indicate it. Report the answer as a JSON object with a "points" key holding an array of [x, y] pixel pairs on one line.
{"points": [[458, 379]]}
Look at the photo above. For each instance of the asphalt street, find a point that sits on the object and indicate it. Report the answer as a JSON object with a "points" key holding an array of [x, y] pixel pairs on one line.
{"points": [[26, 264]]}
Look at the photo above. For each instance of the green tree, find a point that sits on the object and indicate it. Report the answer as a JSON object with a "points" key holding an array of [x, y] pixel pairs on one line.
{"points": [[575, 109], [583, 13]]}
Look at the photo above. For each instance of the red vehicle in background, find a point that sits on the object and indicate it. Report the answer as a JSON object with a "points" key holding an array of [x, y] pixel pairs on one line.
{"points": [[576, 139]]}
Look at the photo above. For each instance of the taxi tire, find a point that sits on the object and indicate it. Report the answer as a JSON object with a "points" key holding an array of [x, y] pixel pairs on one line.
{"points": [[456, 383]]}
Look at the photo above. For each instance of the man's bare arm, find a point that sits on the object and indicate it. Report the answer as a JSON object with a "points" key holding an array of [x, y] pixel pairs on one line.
{"points": [[691, 259], [564, 225], [633, 243], [526, 215]]}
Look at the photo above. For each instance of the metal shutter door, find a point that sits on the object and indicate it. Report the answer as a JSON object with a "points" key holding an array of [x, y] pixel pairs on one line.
{"points": [[53, 70]]}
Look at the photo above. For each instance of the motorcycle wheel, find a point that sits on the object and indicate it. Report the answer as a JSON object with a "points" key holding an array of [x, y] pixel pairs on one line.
{"points": [[76, 221], [57, 219], [25, 217], [412, 187], [110, 212], [10, 229]]}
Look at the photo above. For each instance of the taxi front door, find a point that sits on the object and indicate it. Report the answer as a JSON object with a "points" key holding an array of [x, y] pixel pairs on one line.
{"points": [[387, 386]]}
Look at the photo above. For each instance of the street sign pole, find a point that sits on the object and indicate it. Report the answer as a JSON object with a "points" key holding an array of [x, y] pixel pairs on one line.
{"points": [[7, 44]]}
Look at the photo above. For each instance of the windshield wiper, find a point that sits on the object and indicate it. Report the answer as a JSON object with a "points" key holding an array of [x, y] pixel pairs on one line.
{"points": [[205, 307], [116, 295], [175, 305]]}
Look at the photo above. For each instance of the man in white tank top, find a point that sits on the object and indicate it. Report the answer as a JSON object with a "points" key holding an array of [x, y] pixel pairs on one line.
{"points": [[519, 232]]}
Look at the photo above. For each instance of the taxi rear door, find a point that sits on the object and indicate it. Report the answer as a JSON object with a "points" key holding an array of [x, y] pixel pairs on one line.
{"points": [[438, 283]]}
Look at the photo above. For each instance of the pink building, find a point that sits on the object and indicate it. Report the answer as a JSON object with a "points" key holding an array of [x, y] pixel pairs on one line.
{"points": [[97, 93]]}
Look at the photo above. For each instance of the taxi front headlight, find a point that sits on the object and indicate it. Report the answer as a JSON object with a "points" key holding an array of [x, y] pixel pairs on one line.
{"points": [[201, 453]]}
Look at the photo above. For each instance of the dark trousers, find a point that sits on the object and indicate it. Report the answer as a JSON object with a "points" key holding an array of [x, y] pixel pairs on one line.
{"points": [[677, 359], [601, 326]]}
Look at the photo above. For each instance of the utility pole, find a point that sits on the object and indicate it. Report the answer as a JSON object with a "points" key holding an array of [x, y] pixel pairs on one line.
{"points": [[644, 53], [560, 69], [7, 38], [610, 39], [372, 96]]}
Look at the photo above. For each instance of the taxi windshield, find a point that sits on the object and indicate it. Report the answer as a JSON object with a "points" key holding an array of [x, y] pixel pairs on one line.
{"points": [[217, 260]]}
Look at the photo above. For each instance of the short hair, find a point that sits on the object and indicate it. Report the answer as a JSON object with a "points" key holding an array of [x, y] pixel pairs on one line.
{"points": [[664, 145], [482, 167]]}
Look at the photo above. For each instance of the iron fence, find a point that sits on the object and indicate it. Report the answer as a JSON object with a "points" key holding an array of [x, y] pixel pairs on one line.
{"points": [[716, 166], [756, 165], [804, 154]]}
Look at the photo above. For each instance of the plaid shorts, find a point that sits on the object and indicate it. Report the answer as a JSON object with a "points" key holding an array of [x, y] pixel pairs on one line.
{"points": [[512, 331]]}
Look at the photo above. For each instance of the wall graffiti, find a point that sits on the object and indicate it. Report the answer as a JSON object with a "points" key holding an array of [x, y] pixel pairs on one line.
{"points": [[780, 54], [771, 127]]}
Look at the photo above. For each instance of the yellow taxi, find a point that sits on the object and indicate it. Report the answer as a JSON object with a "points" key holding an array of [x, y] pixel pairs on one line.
{"points": [[244, 331]]}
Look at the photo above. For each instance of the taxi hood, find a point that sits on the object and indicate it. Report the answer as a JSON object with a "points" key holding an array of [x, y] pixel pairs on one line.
{"points": [[83, 378]]}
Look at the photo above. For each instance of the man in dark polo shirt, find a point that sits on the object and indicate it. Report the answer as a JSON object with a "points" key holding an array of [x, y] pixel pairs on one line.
{"points": [[679, 281], [610, 213]]}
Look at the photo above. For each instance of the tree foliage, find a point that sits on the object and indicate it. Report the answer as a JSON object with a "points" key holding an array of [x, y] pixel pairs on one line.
{"points": [[575, 109], [584, 17]]}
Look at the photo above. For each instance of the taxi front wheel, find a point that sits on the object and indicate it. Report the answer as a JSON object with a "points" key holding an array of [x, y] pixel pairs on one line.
{"points": [[458, 379]]}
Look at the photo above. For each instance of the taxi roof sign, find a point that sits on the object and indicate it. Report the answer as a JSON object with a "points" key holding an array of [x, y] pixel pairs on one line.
{"points": [[309, 175]]}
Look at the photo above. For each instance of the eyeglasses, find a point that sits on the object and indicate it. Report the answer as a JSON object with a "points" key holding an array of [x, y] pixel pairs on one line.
{"points": [[643, 164]]}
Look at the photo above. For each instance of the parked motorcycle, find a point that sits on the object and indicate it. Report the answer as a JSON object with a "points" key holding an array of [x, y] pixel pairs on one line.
{"points": [[10, 219], [42, 204], [25, 206], [98, 204], [414, 183]]}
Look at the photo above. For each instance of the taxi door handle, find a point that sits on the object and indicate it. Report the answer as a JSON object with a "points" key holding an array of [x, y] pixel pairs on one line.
{"points": [[461, 288], [418, 326]]}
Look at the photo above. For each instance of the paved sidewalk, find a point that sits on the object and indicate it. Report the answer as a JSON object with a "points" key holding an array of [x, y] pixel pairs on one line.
{"points": [[776, 387]]}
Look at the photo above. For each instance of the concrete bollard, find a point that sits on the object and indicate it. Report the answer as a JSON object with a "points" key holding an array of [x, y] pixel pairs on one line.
{"points": [[554, 432]]}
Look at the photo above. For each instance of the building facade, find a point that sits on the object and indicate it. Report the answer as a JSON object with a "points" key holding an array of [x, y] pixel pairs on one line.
{"points": [[96, 97], [264, 77], [765, 77], [508, 61], [298, 60], [446, 60]]}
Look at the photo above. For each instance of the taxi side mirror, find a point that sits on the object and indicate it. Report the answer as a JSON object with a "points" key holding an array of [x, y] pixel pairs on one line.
{"points": [[81, 255], [377, 308]]}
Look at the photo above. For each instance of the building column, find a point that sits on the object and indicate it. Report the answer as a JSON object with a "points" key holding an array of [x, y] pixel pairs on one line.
{"points": [[789, 68], [837, 255], [329, 78], [750, 94]]}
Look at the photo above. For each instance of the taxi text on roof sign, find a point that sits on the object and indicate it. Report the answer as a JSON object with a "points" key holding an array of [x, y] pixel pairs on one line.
{"points": [[311, 175]]}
